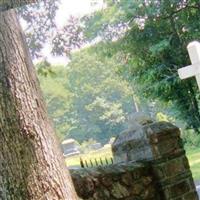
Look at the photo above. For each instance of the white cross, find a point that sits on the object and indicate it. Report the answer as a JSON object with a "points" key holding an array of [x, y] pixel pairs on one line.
{"points": [[194, 69]]}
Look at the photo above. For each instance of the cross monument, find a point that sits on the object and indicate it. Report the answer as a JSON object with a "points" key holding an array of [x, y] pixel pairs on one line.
{"points": [[194, 69]]}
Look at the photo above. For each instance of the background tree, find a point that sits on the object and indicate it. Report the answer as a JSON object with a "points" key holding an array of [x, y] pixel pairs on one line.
{"points": [[87, 98], [151, 38]]}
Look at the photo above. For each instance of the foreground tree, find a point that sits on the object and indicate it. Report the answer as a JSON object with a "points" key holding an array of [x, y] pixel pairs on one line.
{"points": [[8, 4], [30, 162]]}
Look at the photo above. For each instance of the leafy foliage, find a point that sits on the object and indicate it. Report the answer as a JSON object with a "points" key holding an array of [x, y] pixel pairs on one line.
{"points": [[143, 41], [40, 27], [39, 23], [153, 46], [87, 99]]}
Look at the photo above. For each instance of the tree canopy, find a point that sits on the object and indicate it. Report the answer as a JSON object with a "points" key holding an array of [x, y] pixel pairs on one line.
{"points": [[87, 98], [152, 36], [40, 27], [147, 38]]}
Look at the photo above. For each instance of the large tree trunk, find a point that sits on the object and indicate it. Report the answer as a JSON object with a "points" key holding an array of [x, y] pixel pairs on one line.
{"points": [[31, 167], [8, 4]]}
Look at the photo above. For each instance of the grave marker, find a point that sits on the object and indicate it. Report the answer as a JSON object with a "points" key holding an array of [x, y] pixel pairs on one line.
{"points": [[70, 147], [194, 69]]}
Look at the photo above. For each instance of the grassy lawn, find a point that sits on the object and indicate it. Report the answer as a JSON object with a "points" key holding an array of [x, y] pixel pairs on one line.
{"points": [[193, 157], [194, 160], [102, 153]]}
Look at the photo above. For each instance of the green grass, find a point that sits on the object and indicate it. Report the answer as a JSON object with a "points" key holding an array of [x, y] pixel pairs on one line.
{"points": [[192, 154], [194, 160], [102, 153]]}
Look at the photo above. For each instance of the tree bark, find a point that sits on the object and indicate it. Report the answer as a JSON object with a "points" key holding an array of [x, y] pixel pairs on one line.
{"points": [[8, 4], [31, 167]]}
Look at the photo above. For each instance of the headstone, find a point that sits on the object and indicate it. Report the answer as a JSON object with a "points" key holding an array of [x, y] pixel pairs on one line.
{"points": [[111, 141], [70, 147], [95, 146], [106, 146]]}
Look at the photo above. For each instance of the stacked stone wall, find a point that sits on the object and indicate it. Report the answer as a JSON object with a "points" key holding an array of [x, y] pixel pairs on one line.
{"points": [[116, 182], [150, 164]]}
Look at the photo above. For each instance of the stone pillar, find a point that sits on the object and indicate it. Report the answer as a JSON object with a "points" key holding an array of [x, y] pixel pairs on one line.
{"points": [[160, 145]]}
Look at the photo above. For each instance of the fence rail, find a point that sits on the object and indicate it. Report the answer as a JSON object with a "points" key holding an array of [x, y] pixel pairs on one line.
{"points": [[95, 162]]}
